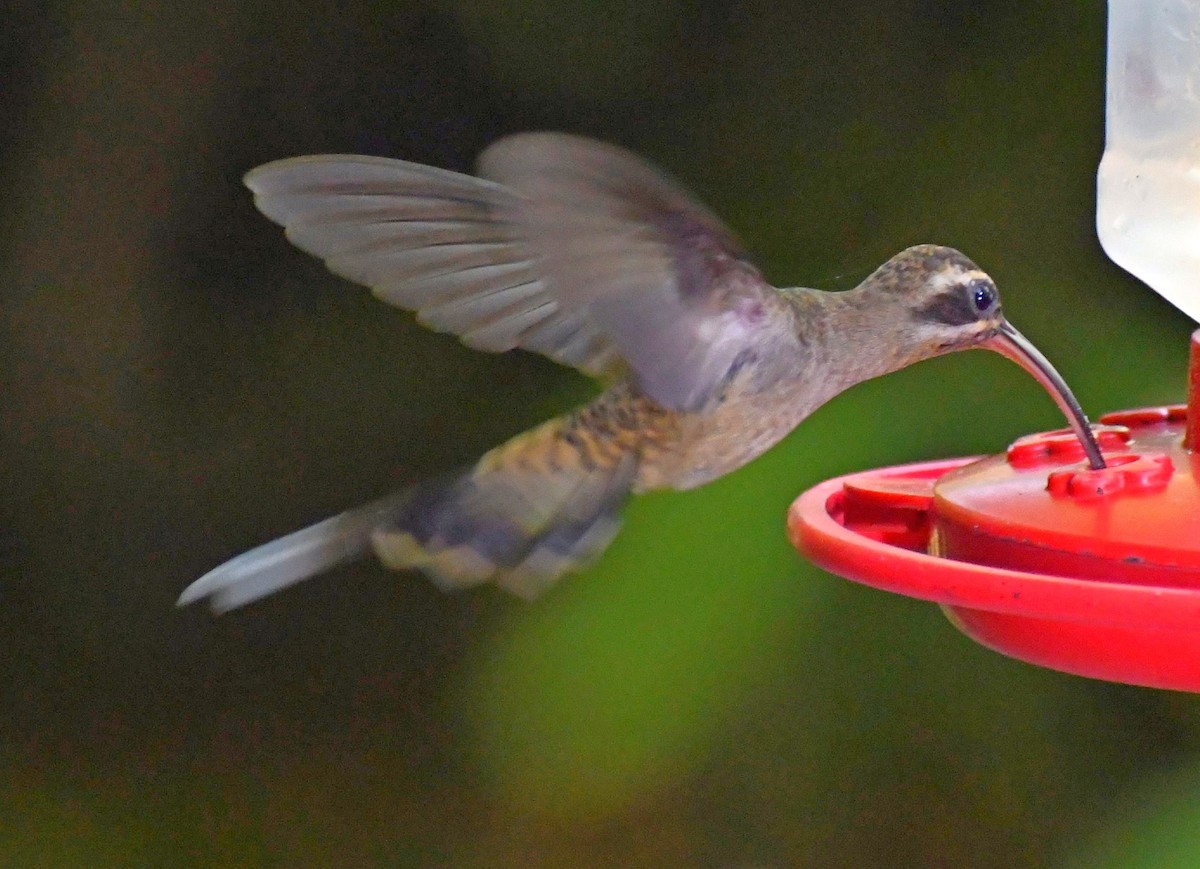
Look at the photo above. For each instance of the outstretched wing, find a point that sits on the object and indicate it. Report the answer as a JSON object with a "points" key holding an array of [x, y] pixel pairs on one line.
{"points": [[567, 247]]}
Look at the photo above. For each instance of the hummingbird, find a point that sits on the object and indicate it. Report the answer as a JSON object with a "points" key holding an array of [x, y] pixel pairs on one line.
{"points": [[583, 252]]}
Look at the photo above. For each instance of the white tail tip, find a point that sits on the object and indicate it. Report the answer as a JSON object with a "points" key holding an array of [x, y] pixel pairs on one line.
{"points": [[289, 560]]}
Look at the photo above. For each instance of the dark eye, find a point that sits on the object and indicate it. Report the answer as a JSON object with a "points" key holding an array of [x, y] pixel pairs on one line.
{"points": [[983, 296]]}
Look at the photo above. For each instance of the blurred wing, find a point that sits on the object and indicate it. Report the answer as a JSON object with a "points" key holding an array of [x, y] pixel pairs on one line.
{"points": [[432, 241], [657, 272], [573, 249]]}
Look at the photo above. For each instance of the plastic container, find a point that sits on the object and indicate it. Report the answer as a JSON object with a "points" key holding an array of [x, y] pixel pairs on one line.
{"points": [[1148, 187], [1035, 554]]}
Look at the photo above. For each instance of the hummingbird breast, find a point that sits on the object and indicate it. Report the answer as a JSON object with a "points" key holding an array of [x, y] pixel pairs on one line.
{"points": [[788, 372], [756, 408]]}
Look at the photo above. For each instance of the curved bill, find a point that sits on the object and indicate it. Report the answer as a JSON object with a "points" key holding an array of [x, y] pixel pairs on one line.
{"points": [[1012, 344]]}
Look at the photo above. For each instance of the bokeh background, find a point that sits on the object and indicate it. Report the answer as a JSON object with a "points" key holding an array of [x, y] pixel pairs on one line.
{"points": [[178, 384]]}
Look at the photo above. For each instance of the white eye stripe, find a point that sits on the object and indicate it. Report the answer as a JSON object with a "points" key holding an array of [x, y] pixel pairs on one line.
{"points": [[957, 277]]}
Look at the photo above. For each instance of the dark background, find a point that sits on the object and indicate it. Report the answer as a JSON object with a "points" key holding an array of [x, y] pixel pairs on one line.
{"points": [[178, 384]]}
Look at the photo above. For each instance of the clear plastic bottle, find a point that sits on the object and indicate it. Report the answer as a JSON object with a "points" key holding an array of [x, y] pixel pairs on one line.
{"points": [[1148, 190]]}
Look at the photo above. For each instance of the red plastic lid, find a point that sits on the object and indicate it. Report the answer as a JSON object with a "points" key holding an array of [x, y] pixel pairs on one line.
{"points": [[1033, 553], [1137, 520]]}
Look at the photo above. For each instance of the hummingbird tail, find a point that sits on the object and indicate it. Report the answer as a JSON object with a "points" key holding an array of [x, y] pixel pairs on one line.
{"points": [[292, 559], [544, 503], [532, 509]]}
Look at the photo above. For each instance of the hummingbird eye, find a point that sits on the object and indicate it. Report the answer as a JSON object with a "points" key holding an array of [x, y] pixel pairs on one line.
{"points": [[983, 297]]}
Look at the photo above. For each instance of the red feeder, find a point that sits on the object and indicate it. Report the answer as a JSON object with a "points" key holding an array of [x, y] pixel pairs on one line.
{"points": [[1033, 553]]}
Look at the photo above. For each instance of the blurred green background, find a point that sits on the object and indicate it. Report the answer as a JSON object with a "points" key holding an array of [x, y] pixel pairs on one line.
{"points": [[178, 384]]}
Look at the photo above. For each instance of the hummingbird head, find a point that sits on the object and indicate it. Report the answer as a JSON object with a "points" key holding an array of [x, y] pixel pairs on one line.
{"points": [[948, 303]]}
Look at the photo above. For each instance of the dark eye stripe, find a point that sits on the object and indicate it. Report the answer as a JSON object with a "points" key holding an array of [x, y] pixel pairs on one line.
{"points": [[953, 308]]}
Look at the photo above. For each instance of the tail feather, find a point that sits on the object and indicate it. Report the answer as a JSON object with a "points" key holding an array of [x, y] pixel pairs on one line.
{"points": [[291, 559], [531, 510], [543, 504], [565, 549]]}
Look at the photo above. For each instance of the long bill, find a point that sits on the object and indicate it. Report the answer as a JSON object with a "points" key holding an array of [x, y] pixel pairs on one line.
{"points": [[1010, 343]]}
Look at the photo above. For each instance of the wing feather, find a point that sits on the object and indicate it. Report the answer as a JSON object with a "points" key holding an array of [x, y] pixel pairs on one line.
{"points": [[565, 246]]}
